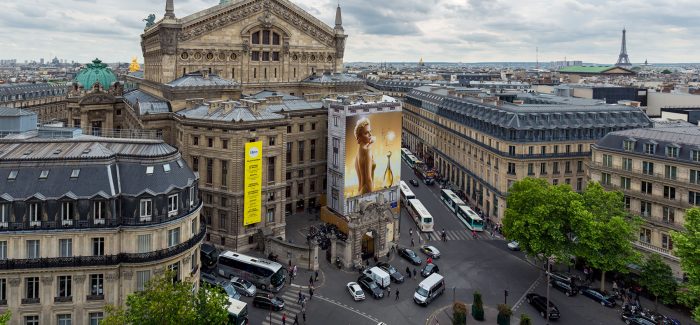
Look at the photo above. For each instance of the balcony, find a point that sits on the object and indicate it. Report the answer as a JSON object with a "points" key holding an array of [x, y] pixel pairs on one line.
{"points": [[665, 252], [94, 297], [62, 299], [30, 301], [106, 260]]}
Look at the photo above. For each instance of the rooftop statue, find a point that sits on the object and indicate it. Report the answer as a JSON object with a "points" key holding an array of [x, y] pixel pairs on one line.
{"points": [[150, 21]]}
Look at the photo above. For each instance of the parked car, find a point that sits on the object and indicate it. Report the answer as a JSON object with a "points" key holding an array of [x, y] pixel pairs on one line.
{"points": [[539, 302], [599, 296], [414, 182], [230, 290], [355, 291], [410, 255], [396, 276], [639, 320], [244, 287], [429, 269], [208, 278], [209, 255], [382, 278], [564, 277], [268, 301], [430, 251], [634, 314], [513, 245], [368, 284], [565, 287]]}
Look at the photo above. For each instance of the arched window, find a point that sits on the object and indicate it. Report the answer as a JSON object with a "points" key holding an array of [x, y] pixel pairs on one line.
{"points": [[266, 45]]}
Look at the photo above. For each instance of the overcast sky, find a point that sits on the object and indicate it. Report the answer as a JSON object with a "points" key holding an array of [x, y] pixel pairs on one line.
{"points": [[662, 31]]}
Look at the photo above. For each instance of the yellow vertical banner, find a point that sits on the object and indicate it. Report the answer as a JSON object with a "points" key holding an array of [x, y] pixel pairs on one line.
{"points": [[252, 183]]}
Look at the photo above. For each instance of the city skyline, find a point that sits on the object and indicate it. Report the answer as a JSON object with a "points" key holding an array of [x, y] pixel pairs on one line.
{"points": [[436, 30]]}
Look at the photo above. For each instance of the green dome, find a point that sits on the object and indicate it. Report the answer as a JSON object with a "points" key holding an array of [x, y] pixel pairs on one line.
{"points": [[96, 71]]}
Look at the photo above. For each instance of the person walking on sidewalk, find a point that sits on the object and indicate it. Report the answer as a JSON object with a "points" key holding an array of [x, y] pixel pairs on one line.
{"points": [[410, 232], [300, 297], [284, 318], [303, 314], [316, 273], [311, 292], [397, 295], [408, 272], [296, 319], [412, 243], [311, 280]]}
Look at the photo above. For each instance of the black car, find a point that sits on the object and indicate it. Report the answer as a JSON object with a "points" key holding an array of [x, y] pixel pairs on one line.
{"points": [[599, 296], [414, 182], [370, 286], [268, 301], [395, 275], [565, 287], [410, 255], [539, 302], [639, 320], [208, 278], [209, 255], [429, 269]]}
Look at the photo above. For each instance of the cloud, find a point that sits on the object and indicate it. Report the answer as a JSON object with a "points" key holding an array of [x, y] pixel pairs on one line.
{"points": [[386, 30]]}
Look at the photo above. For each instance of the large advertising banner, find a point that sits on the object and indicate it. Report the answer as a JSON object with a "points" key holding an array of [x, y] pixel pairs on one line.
{"points": [[252, 183], [372, 152]]}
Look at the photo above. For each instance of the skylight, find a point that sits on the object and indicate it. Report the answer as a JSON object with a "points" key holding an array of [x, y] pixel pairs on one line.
{"points": [[149, 170], [44, 174], [179, 163], [12, 176], [75, 173], [166, 168]]}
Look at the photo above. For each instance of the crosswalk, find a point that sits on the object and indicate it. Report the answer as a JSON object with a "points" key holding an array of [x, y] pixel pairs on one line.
{"points": [[452, 235], [291, 308]]}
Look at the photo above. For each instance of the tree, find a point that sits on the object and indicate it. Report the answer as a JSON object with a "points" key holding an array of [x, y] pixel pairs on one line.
{"points": [[525, 319], [478, 307], [687, 248], [165, 302], [5, 317], [605, 231], [459, 313], [666, 71], [657, 277]]}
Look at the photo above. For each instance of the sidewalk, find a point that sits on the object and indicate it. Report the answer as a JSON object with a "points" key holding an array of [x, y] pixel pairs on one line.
{"points": [[444, 316]]}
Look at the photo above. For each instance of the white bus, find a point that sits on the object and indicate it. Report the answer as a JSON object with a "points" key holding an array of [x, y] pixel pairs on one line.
{"points": [[420, 215], [470, 218], [265, 274], [405, 153], [406, 193], [451, 200], [411, 160]]}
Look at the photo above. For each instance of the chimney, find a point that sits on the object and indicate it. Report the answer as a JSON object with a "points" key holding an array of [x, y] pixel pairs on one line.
{"points": [[214, 105]]}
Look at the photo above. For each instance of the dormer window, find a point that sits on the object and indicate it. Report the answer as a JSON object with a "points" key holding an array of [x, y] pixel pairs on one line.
{"points": [[628, 145], [695, 155], [650, 148], [67, 213], [99, 212], [172, 205], [672, 151], [34, 215], [4, 214], [146, 209]]}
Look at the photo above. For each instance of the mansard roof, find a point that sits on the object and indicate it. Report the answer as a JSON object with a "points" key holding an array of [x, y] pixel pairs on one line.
{"points": [[684, 136], [201, 80], [145, 103]]}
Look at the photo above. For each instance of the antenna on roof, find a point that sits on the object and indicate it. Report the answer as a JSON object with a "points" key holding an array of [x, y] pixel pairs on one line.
{"points": [[537, 58]]}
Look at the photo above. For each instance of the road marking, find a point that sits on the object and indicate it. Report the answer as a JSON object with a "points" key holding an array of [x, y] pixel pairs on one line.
{"points": [[346, 307], [522, 298]]}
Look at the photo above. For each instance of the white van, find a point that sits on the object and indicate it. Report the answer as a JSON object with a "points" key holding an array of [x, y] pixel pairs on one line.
{"points": [[379, 276], [429, 289]]}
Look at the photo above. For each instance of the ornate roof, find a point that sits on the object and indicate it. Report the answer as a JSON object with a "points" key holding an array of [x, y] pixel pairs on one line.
{"points": [[96, 72]]}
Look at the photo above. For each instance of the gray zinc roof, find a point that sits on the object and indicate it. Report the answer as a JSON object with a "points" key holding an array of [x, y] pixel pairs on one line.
{"points": [[9, 111], [235, 114], [145, 103], [197, 79], [685, 137]]}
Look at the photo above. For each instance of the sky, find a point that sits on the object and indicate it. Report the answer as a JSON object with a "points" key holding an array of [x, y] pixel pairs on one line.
{"points": [[660, 31]]}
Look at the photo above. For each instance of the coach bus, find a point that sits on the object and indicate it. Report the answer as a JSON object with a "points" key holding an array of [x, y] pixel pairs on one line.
{"points": [[405, 153], [406, 193], [265, 274], [451, 200], [420, 215], [470, 218]]}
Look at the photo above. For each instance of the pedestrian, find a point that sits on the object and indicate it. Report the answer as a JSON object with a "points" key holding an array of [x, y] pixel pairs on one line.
{"points": [[429, 260], [410, 232], [414, 272], [303, 314], [295, 270], [284, 318], [614, 286], [429, 238], [311, 292], [412, 243], [300, 296], [397, 294], [316, 275], [296, 319], [311, 280], [408, 271], [388, 291]]}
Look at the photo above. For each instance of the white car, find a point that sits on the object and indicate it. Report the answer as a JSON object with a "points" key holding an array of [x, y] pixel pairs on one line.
{"points": [[244, 287], [514, 246], [355, 291], [430, 251]]}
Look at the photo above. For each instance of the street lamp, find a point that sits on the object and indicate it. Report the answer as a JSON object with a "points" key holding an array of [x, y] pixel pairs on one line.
{"points": [[505, 296]]}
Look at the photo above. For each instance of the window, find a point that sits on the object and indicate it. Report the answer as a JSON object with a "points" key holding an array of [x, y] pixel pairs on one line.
{"points": [[625, 182], [66, 213], [628, 145], [223, 225], [266, 37], [336, 144], [555, 167], [195, 140], [605, 179], [3, 250], [556, 149], [275, 57], [312, 171], [146, 209], [255, 56], [175, 268], [579, 166], [669, 215], [628, 202], [670, 172], [288, 191], [543, 150], [192, 195], [301, 151], [666, 241], [694, 176], [579, 184], [96, 284], [669, 192], [530, 169], [271, 169], [44, 174], [647, 168], [173, 237], [65, 247], [300, 188], [567, 167], [646, 188], [255, 38], [511, 168], [694, 198], [96, 318], [301, 173], [313, 149], [224, 144], [64, 286], [275, 39], [627, 164], [266, 57], [289, 153], [288, 175], [649, 148], [313, 126], [530, 150], [194, 227], [607, 160], [645, 208], [99, 211], [32, 287], [289, 129], [98, 246], [301, 128], [543, 168], [568, 148], [34, 214], [142, 277], [31, 320], [172, 204], [270, 215], [511, 150], [33, 248], [144, 243], [3, 289], [695, 155], [335, 120], [64, 319], [224, 173], [672, 152], [312, 186], [271, 141]]}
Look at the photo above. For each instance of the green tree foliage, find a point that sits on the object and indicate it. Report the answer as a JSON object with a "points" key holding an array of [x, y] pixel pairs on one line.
{"points": [[525, 320], [459, 313], [687, 248], [657, 277], [478, 307], [504, 313], [5, 317], [666, 71], [165, 302]]}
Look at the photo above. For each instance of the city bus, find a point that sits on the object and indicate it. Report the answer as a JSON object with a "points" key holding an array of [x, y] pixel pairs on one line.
{"points": [[451, 200], [420, 215], [470, 218], [406, 193], [265, 274], [237, 312], [405, 153], [411, 160]]}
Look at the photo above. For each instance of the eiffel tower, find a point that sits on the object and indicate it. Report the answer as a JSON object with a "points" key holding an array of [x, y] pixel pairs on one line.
{"points": [[623, 60]]}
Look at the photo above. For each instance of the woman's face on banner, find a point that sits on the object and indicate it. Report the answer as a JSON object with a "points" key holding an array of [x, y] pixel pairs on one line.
{"points": [[365, 135]]}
